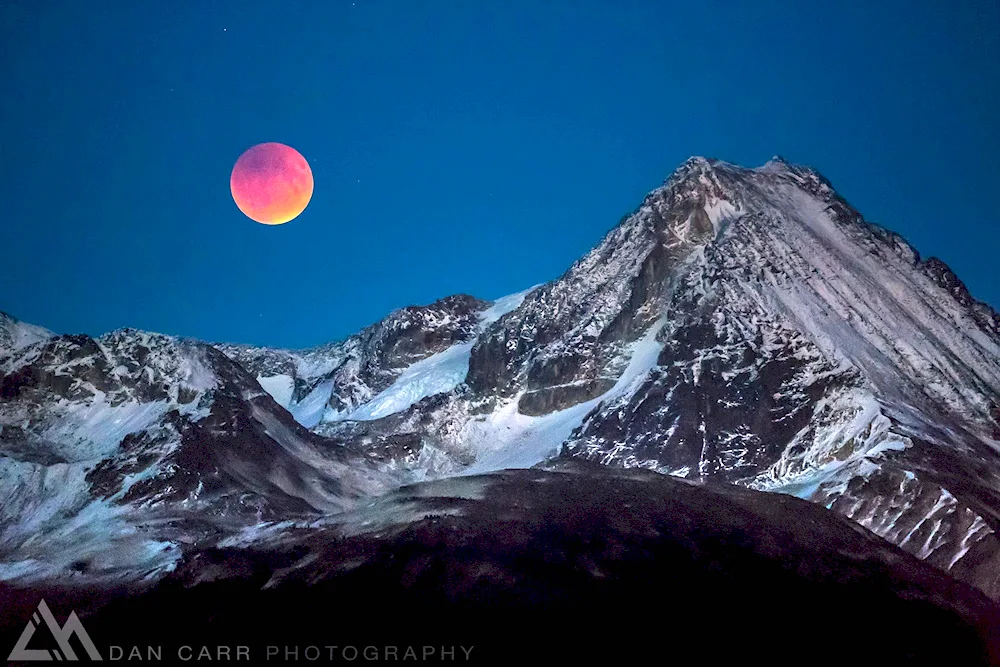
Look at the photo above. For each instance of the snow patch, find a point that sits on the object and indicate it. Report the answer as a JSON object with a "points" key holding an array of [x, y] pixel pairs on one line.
{"points": [[93, 430], [502, 306], [16, 335], [309, 411], [508, 439], [436, 374], [719, 212], [280, 387], [51, 527]]}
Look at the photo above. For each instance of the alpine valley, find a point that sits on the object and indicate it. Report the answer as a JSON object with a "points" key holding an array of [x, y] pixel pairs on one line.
{"points": [[747, 423]]}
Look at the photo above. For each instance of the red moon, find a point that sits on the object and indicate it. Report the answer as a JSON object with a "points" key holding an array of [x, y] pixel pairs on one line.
{"points": [[271, 183]]}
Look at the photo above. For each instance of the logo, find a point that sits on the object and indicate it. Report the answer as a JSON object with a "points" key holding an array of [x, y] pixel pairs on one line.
{"points": [[62, 634]]}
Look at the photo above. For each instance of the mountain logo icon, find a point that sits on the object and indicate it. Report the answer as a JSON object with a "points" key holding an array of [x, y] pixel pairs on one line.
{"points": [[62, 635]]}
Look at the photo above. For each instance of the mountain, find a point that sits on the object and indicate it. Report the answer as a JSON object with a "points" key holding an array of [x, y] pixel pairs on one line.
{"points": [[741, 328], [745, 326], [119, 449]]}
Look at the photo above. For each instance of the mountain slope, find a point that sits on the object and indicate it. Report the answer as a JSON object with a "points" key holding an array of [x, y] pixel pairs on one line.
{"points": [[809, 351], [15, 334], [116, 451], [490, 560]]}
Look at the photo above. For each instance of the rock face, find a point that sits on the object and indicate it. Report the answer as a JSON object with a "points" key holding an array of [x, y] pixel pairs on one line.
{"points": [[742, 327]]}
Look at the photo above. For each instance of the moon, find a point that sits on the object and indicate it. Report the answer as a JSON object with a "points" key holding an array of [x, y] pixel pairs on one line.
{"points": [[271, 183]]}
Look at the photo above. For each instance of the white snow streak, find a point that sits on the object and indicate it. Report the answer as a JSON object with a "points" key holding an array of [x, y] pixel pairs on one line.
{"points": [[508, 439]]}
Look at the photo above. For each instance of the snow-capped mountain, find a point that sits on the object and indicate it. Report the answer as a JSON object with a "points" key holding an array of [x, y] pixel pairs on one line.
{"points": [[809, 351], [742, 326]]}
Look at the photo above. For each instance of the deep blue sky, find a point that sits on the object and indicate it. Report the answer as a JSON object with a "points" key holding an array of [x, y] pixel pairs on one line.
{"points": [[475, 147]]}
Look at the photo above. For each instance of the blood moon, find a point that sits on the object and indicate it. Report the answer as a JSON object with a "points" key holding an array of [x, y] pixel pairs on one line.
{"points": [[271, 183]]}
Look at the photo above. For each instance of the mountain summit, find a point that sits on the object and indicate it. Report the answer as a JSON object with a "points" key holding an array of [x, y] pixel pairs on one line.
{"points": [[742, 326]]}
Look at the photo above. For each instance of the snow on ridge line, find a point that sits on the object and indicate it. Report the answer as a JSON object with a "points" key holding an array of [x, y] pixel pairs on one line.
{"points": [[21, 334], [436, 374], [502, 306], [908, 328]]}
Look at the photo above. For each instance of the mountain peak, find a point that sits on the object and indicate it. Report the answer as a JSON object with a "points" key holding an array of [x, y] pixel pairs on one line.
{"points": [[15, 334], [699, 160], [695, 164]]}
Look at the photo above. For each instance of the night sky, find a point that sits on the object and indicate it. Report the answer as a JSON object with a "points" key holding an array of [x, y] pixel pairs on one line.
{"points": [[476, 147]]}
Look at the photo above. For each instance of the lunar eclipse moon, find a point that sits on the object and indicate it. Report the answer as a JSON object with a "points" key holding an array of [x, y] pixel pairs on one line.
{"points": [[271, 183]]}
